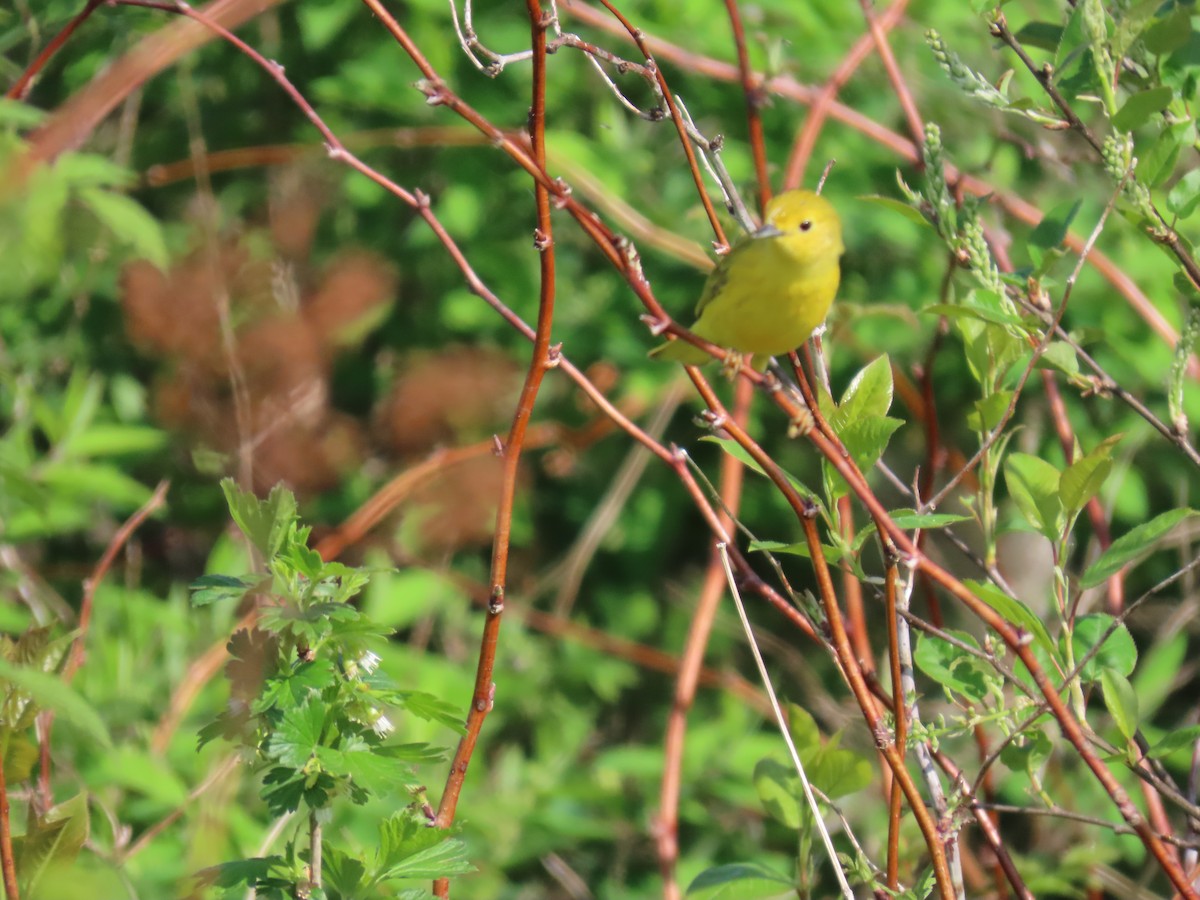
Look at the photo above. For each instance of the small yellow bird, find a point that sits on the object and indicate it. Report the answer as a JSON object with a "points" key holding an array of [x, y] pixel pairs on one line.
{"points": [[769, 293]]}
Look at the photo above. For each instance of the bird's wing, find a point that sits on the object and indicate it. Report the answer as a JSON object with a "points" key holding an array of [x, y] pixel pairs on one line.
{"points": [[717, 278]]}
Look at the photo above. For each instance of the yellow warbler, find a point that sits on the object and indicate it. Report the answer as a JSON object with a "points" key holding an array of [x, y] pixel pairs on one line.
{"points": [[769, 293]]}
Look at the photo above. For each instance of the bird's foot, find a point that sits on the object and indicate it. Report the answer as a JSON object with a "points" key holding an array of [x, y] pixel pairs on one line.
{"points": [[801, 423], [732, 364]]}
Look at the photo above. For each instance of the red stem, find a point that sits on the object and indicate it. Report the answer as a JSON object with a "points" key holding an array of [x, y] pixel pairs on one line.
{"points": [[21, 88], [485, 689]]}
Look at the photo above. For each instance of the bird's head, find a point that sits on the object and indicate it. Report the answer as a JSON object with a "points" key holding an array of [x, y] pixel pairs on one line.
{"points": [[807, 222]]}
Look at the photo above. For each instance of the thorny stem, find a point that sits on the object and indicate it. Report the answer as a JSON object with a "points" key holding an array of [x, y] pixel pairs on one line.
{"points": [[542, 358], [752, 87]]}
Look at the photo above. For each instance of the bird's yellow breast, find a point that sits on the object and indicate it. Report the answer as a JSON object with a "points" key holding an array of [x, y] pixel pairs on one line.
{"points": [[768, 302]]}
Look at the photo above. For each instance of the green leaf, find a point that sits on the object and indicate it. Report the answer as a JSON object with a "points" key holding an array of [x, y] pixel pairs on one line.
{"points": [[869, 394], [264, 522], [1033, 484], [905, 209], [54, 840], [408, 848], [1012, 610], [1137, 110], [989, 412], [1175, 740], [953, 668], [734, 449], [1043, 35], [373, 771], [209, 589], [432, 709], [298, 735], [994, 314], [776, 785], [1121, 700], [1052, 230], [1170, 32], [866, 439], [1131, 546], [1060, 355], [1131, 25], [107, 439], [15, 114], [130, 222], [745, 881], [1083, 479], [1183, 198], [1118, 651], [95, 482], [1154, 678], [909, 519], [1157, 164], [49, 691], [1027, 752]]}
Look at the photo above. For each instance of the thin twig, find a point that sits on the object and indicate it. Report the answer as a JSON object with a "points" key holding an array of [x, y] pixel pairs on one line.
{"points": [[781, 721]]}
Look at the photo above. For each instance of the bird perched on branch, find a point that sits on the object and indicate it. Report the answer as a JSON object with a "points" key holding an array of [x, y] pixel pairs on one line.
{"points": [[770, 292]]}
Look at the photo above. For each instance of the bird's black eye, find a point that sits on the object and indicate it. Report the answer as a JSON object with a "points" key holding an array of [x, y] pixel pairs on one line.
{"points": [[806, 225]]}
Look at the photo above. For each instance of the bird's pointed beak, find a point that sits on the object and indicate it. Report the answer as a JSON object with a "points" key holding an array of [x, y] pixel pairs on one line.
{"points": [[768, 231]]}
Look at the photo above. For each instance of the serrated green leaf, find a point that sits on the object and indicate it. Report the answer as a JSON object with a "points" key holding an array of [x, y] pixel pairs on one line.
{"points": [[54, 840], [1131, 25], [49, 691], [1129, 547], [298, 734], [1121, 700], [209, 589], [409, 849], [264, 522]]}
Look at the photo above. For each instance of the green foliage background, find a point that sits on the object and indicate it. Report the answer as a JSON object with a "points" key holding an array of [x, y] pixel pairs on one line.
{"points": [[567, 774]]}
